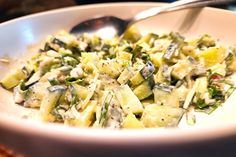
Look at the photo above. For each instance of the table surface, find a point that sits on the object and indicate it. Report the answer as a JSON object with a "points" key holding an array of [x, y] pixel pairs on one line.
{"points": [[14, 8], [7, 152]]}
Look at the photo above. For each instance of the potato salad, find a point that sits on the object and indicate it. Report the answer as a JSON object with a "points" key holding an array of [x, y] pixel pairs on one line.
{"points": [[131, 81]]}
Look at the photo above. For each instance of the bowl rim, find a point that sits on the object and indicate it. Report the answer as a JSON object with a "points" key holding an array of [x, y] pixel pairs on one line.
{"points": [[95, 5], [152, 136], [134, 137]]}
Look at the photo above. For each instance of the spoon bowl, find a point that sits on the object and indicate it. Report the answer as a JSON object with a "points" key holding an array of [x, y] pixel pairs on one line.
{"points": [[110, 26]]}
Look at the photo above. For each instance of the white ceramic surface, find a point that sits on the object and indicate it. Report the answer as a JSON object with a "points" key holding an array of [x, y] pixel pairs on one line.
{"points": [[213, 135]]}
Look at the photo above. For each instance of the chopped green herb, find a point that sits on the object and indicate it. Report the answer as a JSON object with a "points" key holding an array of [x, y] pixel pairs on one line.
{"points": [[103, 117], [216, 93]]}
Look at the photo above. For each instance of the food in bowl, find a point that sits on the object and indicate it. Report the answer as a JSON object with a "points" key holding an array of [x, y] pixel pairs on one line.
{"points": [[131, 81]]}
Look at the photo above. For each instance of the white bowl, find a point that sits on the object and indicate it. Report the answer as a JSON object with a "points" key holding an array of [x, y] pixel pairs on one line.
{"points": [[214, 135]]}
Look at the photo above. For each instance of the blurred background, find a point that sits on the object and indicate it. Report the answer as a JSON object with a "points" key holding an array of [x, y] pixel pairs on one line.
{"points": [[10, 9]]}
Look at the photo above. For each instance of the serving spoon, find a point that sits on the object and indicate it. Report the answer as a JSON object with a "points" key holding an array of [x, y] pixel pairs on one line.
{"points": [[117, 26]]}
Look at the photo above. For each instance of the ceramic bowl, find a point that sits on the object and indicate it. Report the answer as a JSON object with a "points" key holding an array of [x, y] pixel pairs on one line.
{"points": [[213, 135]]}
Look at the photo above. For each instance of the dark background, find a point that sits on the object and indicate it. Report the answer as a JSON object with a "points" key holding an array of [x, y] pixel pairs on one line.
{"points": [[10, 9]]}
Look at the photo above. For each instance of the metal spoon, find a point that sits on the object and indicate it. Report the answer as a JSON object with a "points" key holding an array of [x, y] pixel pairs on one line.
{"points": [[117, 26]]}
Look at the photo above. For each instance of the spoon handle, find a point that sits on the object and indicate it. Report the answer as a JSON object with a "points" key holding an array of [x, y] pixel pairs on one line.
{"points": [[178, 5]]}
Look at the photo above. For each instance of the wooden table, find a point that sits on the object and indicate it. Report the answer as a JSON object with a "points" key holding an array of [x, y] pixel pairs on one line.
{"points": [[7, 152]]}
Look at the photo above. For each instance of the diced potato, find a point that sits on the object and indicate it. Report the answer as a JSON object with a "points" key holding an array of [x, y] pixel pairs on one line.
{"points": [[96, 124], [65, 37], [33, 64], [219, 69], [191, 93], [89, 60], [147, 102], [91, 89], [131, 122], [161, 45], [85, 117], [161, 116], [81, 91], [46, 63], [213, 55], [182, 92], [158, 77], [182, 68], [132, 34], [124, 56], [147, 38], [110, 67], [143, 90], [36, 94], [48, 75], [166, 98], [193, 42], [201, 89], [125, 75], [136, 79], [232, 65], [189, 50], [95, 40], [138, 65], [13, 79], [202, 86], [145, 46], [49, 101], [156, 59], [207, 40], [89, 57], [128, 100]]}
